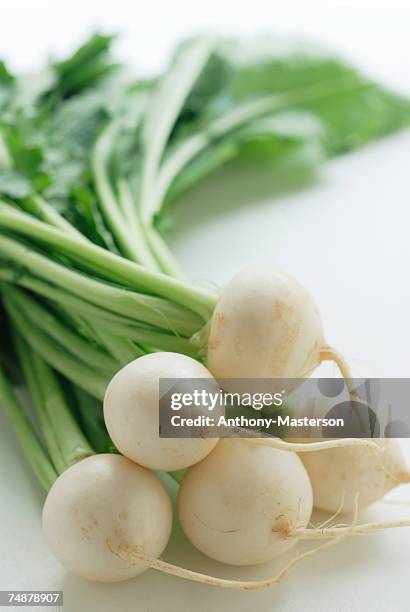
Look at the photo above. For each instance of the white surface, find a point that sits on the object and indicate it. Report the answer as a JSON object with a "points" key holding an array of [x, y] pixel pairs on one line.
{"points": [[345, 237]]}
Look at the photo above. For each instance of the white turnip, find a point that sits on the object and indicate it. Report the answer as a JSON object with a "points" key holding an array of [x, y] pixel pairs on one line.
{"points": [[338, 474], [242, 502], [101, 507], [266, 325], [246, 504], [131, 412], [108, 519]]}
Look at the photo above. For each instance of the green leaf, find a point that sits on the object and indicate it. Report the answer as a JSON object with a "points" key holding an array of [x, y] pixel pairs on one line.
{"points": [[213, 79], [204, 164], [270, 139], [355, 119], [83, 212], [5, 76], [86, 67], [25, 154], [350, 119], [7, 86], [14, 185], [265, 137]]}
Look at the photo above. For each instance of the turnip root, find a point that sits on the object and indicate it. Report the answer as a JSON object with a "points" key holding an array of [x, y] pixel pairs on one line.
{"points": [[243, 585], [241, 504], [314, 447], [108, 519], [246, 504], [100, 506], [266, 325], [131, 412], [338, 474]]}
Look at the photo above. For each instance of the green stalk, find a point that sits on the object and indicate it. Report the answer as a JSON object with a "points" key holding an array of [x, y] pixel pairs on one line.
{"points": [[129, 210], [69, 340], [107, 199], [63, 436], [29, 443], [86, 377], [49, 214], [67, 300], [158, 252], [163, 255], [123, 349], [131, 304], [174, 88], [178, 475], [73, 444], [76, 323], [92, 421], [105, 321], [36, 392], [149, 337], [114, 268]]}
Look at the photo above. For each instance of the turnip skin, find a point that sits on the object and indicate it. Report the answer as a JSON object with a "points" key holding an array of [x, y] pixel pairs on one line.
{"points": [[241, 504], [338, 474], [266, 325], [107, 519], [99, 508], [132, 418]]}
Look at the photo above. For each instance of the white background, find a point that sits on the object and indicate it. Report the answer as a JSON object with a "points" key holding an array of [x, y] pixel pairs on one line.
{"points": [[345, 236]]}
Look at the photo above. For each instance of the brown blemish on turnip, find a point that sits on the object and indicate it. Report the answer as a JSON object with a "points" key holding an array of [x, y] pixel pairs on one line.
{"points": [[213, 345]]}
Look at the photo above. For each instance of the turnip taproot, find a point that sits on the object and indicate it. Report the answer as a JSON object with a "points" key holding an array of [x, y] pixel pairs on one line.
{"points": [[313, 447], [338, 474], [266, 325], [131, 412]]}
